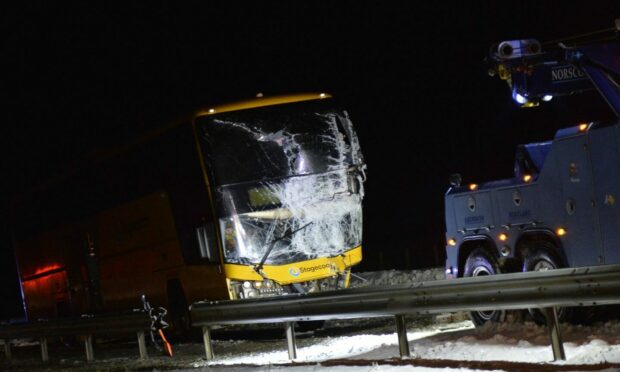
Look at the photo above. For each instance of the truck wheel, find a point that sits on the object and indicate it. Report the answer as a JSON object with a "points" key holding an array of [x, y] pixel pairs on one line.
{"points": [[542, 260], [481, 263]]}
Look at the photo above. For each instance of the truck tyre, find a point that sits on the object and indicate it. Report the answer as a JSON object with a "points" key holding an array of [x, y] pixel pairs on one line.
{"points": [[482, 263], [542, 259]]}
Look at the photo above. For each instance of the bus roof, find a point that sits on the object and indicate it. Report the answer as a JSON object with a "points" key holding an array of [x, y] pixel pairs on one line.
{"points": [[98, 155], [262, 102]]}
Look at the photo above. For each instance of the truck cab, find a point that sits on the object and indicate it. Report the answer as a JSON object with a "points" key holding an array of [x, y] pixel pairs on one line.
{"points": [[560, 208]]}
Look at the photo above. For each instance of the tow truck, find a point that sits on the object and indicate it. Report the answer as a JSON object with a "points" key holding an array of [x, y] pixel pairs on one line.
{"points": [[562, 207]]}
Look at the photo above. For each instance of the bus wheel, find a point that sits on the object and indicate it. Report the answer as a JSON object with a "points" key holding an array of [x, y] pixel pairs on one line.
{"points": [[180, 323], [481, 263], [543, 260]]}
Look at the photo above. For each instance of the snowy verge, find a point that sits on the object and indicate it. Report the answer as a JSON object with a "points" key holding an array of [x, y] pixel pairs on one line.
{"points": [[395, 277], [505, 346], [406, 277]]}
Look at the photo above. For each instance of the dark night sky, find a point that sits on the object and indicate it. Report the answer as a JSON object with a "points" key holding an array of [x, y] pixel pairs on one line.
{"points": [[78, 78]]}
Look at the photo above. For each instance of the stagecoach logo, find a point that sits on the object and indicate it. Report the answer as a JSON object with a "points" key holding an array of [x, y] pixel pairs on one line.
{"points": [[293, 271], [566, 73]]}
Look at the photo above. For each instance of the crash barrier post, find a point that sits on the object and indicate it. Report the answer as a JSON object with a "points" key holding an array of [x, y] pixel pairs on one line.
{"points": [[136, 322], [585, 286]]}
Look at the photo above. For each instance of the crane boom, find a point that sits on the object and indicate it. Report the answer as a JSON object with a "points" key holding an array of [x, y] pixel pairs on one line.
{"points": [[535, 75]]}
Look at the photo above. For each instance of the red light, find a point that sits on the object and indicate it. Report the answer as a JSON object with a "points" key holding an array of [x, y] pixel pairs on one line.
{"points": [[45, 269], [43, 273], [46, 280]]}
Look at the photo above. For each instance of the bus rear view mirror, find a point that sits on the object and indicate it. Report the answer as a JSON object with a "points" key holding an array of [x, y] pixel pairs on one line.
{"points": [[205, 235]]}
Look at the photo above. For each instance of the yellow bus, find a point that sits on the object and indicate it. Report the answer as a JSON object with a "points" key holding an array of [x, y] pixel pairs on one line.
{"points": [[249, 199]]}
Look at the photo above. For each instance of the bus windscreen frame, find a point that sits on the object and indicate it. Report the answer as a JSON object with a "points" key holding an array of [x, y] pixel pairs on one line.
{"points": [[286, 179]]}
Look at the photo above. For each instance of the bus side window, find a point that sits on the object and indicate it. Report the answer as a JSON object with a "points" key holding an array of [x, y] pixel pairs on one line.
{"points": [[207, 244]]}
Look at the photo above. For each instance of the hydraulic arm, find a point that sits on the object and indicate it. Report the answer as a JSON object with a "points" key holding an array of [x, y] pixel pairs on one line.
{"points": [[536, 75]]}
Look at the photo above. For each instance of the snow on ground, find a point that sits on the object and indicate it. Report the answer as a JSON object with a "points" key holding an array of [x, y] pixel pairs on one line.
{"points": [[450, 337], [512, 342], [448, 342], [335, 348], [527, 342], [396, 277]]}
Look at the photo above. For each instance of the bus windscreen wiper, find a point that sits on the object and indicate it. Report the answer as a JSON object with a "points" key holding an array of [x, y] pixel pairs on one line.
{"points": [[259, 267]]}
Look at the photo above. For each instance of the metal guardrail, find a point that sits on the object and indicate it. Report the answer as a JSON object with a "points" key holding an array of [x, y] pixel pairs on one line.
{"points": [[137, 322], [586, 286]]}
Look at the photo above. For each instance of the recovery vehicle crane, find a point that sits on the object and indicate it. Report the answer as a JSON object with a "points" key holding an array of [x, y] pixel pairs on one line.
{"points": [[562, 207]]}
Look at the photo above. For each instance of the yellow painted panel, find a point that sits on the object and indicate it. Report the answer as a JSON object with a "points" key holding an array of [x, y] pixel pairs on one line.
{"points": [[144, 223], [262, 102], [317, 268]]}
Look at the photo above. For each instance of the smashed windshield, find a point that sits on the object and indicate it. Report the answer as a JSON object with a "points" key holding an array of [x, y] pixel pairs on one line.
{"points": [[277, 141], [287, 177], [312, 216]]}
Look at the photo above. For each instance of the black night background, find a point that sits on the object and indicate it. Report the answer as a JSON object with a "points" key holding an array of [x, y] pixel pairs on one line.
{"points": [[79, 78]]}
